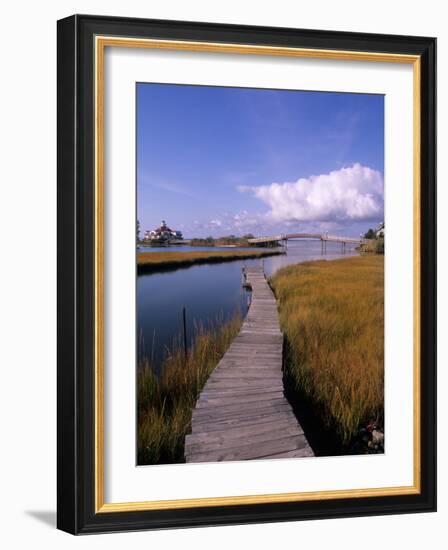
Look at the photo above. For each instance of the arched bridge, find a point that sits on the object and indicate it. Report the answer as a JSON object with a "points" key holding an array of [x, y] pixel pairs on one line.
{"points": [[274, 240], [324, 237]]}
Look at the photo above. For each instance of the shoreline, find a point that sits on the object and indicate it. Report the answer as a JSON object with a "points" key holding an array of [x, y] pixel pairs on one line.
{"points": [[153, 262]]}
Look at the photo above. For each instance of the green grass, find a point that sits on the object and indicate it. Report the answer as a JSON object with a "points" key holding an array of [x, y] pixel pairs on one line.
{"points": [[165, 403], [155, 261], [332, 315], [372, 246]]}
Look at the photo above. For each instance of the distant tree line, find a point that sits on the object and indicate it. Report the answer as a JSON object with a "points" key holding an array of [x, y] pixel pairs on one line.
{"points": [[371, 234], [223, 241]]}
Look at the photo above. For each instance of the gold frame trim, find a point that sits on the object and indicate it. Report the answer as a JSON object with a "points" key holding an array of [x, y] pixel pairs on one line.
{"points": [[101, 42]]}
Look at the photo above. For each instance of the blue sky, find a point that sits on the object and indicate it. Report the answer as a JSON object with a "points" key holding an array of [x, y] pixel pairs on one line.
{"points": [[216, 161]]}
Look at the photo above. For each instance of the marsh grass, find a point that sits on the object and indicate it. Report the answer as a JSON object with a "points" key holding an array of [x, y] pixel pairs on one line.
{"points": [[154, 261], [372, 246], [332, 315], [165, 403]]}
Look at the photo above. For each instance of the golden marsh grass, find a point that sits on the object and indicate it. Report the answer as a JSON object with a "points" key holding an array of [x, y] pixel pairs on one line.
{"points": [[332, 315], [165, 403], [153, 261]]}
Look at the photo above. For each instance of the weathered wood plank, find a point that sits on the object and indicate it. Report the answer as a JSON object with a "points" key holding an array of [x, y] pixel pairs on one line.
{"points": [[239, 411], [242, 430], [240, 383], [251, 451], [250, 420], [250, 377], [223, 411], [236, 399], [238, 392], [237, 440]]}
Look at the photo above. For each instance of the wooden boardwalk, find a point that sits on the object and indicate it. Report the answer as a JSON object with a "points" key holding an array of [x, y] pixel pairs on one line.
{"points": [[242, 412]]}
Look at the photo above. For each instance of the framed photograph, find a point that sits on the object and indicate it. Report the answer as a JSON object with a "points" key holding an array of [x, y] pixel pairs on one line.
{"points": [[246, 274]]}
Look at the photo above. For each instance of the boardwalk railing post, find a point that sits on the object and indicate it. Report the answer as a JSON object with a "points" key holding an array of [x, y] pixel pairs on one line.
{"points": [[184, 317]]}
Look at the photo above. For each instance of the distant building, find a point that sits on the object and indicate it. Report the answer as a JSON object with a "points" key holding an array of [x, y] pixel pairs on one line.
{"points": [[379, 231], [163, 234]]}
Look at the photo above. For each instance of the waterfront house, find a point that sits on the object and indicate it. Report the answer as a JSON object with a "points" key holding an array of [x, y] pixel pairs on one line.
{"points": [[163, 234], [379, 231]]}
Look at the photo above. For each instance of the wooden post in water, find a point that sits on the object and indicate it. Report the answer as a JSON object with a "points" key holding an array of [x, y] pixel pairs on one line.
{"points": [[184, 317]]}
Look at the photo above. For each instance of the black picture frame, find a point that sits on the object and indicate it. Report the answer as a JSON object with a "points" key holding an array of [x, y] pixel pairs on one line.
{"points": [[76, 255]]}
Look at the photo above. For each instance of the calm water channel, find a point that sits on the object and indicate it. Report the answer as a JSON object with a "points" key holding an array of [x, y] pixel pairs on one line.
{"points": [[210, 293]]}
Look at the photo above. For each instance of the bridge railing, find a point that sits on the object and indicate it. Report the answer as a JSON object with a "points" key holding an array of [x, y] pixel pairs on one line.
{"points": [[267, 238], [321, 236], [339, 239]]}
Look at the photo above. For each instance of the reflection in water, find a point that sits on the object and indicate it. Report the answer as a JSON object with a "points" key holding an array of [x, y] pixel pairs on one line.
{"points": [[210, 293], [185, 248]]}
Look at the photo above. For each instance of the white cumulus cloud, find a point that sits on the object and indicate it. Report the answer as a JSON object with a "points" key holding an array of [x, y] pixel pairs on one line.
{"points": [[350, 194]]}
